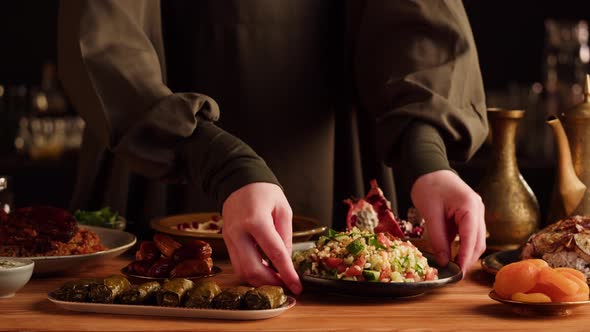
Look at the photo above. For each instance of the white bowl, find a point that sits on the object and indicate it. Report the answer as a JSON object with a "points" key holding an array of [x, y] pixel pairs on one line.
{"points": [[12, 279]]}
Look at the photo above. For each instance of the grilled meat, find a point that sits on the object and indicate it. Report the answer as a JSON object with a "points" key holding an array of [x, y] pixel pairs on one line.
{"points": [[565, 243], [35, 228]]}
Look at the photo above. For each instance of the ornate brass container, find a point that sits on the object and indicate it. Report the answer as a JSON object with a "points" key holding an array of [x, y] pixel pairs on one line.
{"points": [[570, 193], [511, 208]]}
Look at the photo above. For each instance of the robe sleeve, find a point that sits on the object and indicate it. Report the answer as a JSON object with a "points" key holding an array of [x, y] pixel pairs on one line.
{"points": [[417, 71], [112, 66]]}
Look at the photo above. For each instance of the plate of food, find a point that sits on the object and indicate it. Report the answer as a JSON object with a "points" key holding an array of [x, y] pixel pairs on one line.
{"points": [[215, 270], [163, 258], [177, 297], [207, 226], [531, 286], [52, 238], [565, 243], [362, 263], [492, 263]]}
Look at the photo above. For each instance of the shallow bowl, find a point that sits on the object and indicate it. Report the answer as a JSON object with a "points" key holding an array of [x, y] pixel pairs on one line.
{"points": [[13, 278], [303, 230], [539, 309]]}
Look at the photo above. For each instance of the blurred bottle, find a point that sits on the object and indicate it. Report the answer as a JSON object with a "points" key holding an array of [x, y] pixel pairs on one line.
{"points": [[42, 132], [13, 104], [5, 137], [49, 98], [2, 99], [566, 62], [6, 197], [16, 97]]}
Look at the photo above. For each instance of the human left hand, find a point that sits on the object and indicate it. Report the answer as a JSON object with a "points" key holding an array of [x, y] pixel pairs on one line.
{"points": [[449, 206]]}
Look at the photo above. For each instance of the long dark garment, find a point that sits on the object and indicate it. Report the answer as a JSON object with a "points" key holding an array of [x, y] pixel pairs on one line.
{"points": [[326, 92]]}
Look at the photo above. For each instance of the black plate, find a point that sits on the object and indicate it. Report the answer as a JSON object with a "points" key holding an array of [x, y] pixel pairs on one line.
{"points": [[446, 275], [494, 262], [138, 278]]}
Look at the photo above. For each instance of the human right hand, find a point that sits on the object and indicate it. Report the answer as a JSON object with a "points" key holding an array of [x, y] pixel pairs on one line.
{"points": [[259, 214], [449, 206]]}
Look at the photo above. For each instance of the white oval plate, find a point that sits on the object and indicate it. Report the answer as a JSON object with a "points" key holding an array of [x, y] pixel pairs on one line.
{"points": [[116, 241], [152, 310]]}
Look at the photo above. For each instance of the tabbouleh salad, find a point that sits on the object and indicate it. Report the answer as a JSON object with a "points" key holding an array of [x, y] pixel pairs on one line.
{"points": [[364, 256]]}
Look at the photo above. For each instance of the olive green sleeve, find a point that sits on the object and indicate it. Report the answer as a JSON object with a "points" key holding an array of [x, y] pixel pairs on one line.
{"points": [[225, 163], [111, 63], [417, 70], [421, 151]]}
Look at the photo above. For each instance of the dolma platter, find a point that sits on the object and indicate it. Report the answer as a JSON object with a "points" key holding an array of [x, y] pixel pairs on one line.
{"points": [[447, 275], [153, 310], [116, 241]]}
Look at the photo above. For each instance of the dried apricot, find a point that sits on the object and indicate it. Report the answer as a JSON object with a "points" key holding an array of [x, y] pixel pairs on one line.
{"points": [[581, 295], [578, 274], [531, 297], [516, 277], [537, 262], [554, 284]]}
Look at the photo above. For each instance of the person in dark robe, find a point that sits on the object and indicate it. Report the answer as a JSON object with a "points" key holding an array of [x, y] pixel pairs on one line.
{"points": [[239, 105]]}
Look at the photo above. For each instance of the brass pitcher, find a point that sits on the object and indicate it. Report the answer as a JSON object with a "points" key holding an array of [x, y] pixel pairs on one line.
{"points": [[511, 209], [572, 134]]}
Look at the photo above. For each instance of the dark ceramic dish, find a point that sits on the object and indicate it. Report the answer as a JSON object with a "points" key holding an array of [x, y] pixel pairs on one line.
{"points": [[446, 275], [494, 262]]}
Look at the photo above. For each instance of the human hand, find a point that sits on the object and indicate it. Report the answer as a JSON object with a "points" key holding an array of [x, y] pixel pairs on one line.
{"points": [[449, 206], [259, 214]]}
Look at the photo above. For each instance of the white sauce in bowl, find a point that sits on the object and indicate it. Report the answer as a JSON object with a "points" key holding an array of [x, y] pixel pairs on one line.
{"points": [[9, 264]]}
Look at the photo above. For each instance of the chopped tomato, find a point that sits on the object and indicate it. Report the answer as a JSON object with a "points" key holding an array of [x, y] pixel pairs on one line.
{"points": [[341, 268], [431, 274], [411, 275], [332, 262], [360, 261], [385, 273], [384, 240], [353, 271]]}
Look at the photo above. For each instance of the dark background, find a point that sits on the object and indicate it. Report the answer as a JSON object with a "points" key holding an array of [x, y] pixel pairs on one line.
{"points": [[510, 37]]}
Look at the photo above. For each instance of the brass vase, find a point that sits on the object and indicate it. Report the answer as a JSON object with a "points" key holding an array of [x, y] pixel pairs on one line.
{"points": [[511, 208]]}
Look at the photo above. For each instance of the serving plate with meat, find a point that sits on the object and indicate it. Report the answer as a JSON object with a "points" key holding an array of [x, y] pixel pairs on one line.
{"points": [[565, 243], [52, 238], [163, 258], [116, 242]]}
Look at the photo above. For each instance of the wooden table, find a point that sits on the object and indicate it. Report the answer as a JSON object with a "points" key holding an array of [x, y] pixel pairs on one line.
{"points": [[464, 306]]}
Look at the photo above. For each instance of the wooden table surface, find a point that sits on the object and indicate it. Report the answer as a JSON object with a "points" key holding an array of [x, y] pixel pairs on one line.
{"points": [[464, 306]]}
